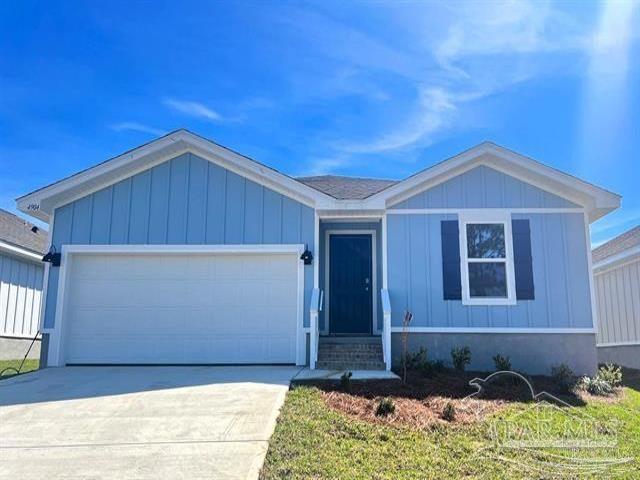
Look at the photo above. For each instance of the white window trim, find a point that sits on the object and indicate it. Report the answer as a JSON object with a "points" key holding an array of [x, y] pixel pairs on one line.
{"points": [[496, 217]]}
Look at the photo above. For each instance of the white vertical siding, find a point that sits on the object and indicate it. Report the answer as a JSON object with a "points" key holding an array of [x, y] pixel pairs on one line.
{"points": [[618, 300], [20, 297]]}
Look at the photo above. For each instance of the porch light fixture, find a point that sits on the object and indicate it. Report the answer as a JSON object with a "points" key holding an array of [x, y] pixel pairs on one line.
{"points": [[307, 256], [52, 257]]}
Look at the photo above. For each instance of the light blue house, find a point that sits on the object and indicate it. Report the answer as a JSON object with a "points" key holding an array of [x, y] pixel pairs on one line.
{"points": [[183, 251]]}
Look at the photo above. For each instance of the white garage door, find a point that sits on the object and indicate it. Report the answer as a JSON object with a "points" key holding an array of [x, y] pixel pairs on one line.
{"points": [[181, 308]]}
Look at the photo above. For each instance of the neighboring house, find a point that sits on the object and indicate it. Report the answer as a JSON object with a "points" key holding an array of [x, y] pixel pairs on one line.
{"points": [[616, 270], [21, 276], [183, 251]]}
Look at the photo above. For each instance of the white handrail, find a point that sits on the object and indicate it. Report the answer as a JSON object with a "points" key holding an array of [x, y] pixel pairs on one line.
{"points": [[386, 328], [314, 330]]}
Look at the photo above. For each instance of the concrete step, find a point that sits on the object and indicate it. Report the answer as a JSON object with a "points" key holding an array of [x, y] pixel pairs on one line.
{"points": [[339, 347], [350, 365]]}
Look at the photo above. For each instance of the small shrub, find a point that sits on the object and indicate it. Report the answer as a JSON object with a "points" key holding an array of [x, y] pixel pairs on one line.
{"points": [[502, 363], [460, 357], [385, 407], [596, 386], [345, 380], [449, 412], [610, 373], [432, 367], [563, 376], [416, 360]]}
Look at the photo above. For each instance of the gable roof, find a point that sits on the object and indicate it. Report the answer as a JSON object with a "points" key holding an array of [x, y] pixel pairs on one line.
{"points": [[326, 193], [17, 232], [596, 200], [626, 242], [347, 188]]}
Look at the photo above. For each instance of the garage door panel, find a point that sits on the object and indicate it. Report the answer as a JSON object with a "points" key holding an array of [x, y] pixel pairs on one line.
{"points": [[182, 309]]}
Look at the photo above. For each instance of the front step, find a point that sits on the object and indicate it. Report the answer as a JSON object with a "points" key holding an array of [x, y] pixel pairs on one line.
{"points": [[350, 353]]}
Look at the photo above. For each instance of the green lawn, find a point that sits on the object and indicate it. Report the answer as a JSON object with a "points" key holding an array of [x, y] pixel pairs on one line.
{"points": [[29, 365], [312, 440]]}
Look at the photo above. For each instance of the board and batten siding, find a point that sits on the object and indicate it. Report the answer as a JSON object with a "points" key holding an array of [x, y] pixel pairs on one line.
{"points": [[186, 200], [618, 299], [560, 271], [20, 297], [484, 187]]}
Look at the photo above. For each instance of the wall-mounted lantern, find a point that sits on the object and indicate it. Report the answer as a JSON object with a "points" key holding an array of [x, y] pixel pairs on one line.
{"points": [[52, 257], [307, 256]]}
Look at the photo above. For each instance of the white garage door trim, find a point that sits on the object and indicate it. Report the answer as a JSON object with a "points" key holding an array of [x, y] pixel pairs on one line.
{"points": [[56, 334]]}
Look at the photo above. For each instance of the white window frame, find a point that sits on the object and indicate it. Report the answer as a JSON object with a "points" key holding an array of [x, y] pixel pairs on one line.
{"points": [[492, 217]]}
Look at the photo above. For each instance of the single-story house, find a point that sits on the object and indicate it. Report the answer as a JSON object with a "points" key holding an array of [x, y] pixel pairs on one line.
{"points": [[182, 251], [21, 276], [616, 270]]}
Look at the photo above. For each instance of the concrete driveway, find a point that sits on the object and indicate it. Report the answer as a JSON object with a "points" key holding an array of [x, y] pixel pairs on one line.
{"points": [[139, 422]]}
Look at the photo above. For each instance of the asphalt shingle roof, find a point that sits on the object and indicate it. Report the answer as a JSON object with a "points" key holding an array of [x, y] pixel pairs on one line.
{"points": [[347, 188], [617, 245], [19, 232]]}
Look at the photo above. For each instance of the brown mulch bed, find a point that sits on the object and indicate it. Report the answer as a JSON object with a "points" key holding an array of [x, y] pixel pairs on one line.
{"points": [[420, 402]]}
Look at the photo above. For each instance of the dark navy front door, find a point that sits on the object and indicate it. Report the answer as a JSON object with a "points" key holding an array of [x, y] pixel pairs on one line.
{"points": [[350, 277]]}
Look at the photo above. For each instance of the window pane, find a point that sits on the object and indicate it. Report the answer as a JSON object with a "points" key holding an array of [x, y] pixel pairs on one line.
{"points": [[485, 240], [487, 280]]}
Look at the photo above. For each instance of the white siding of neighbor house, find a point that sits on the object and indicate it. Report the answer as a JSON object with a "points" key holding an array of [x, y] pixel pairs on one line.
{"points": [[618, 300], [20, 297]]}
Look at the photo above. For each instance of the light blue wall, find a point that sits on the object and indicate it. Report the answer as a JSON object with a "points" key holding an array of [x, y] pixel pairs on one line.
{"points": [[560, 271], [483, 187], [324, 226], [186, 200]]}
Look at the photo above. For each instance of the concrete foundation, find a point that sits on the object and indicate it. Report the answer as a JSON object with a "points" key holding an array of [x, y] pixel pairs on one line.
{"points": [[625, 355], [533, 353], [15, 348]]}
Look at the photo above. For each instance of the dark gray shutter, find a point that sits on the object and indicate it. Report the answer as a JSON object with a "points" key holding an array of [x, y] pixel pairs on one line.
{"points": [[451, 282], [523, 263]]}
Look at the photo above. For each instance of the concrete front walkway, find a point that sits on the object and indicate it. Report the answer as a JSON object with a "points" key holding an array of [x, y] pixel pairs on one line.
{"points": [[139, 422]]}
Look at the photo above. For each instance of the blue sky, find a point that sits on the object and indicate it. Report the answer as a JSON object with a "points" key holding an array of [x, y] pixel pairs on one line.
{"points": [[372, 89]]}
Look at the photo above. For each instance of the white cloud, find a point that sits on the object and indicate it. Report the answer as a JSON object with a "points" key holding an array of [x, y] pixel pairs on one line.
{"points": [[136, 127], [323, 166], [194, 109]]}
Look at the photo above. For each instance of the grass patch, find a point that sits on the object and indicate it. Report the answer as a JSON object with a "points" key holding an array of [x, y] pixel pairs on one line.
{"points": [[314, 440], [29, 366]]}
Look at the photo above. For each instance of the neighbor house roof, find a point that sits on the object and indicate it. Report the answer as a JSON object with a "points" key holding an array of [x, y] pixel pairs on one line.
{"points": [[629, 241], [18, 233], [326, 193], [347, 188]]}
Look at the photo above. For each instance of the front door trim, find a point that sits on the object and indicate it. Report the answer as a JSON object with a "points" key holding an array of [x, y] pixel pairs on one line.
{"points": [[374, 275]]}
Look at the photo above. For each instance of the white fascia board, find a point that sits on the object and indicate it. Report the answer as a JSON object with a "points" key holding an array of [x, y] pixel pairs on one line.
{"points": [[619, 259], [297, 249], [20, 252], [595, 199], [41, 203]]}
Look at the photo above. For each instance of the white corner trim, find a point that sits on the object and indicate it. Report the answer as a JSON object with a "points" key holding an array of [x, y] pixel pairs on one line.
{"points": [[56, 334], [492, 330], [374, 275], [619, 344], [23, 253], [496, 217], [592, 289]]}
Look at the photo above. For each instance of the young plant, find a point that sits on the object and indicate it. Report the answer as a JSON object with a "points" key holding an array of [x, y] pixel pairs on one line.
{"points": [[385, 407], [460, 357], [408, 316], [502, 363], [596, 386], [449, 412], [563, 376], [610, 373], [345, 381]]}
